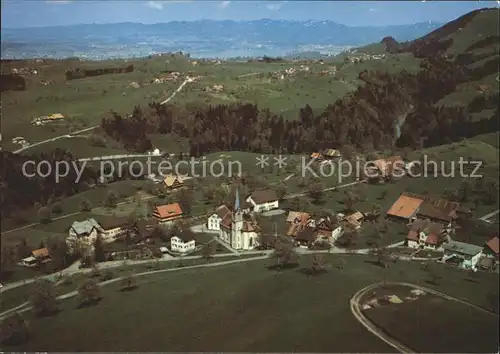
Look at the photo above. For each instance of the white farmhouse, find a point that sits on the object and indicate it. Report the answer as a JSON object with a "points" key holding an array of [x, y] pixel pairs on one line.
{"points": [[263, 200], [113, 227], [183, 242], [214, 220], [85, 230], [465, 255], [239, 229]]}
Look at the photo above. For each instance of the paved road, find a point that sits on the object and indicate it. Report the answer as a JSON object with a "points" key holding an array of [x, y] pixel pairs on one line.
{"points": [[65, 136], [326, 189], [359, 315], [489, 216], [22, 308], [95, 126]]}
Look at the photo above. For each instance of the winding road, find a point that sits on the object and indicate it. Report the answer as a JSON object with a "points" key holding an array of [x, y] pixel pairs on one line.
{"points": [[24, 307], [371, 327], [71, 135]]}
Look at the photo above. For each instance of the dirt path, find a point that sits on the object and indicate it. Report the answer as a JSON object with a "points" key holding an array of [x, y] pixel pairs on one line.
{"points": [[370, 326], [178, 90], [67, 136], [22, 308]]}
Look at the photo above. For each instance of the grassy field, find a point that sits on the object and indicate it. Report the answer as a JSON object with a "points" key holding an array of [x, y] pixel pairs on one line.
{"points": [[461, 328], [222, 309], [258, 83]]}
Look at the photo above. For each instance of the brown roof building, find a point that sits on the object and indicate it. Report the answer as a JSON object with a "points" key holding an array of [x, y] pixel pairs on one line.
{"points": [[173, 182], [263, 196], [492, 247], [169, 212], [411, 205], [433, 234]]}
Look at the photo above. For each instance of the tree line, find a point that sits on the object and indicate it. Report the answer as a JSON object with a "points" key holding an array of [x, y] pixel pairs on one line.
{"points": [[80, 73], [364, 119]]}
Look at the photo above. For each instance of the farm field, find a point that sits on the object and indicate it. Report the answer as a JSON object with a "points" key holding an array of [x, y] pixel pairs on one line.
{"points": [[257, 83], [468, 330], [232, 298]]}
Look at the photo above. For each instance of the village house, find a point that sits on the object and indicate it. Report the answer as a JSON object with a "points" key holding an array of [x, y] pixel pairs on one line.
{"points": [[410, 206], [464, 255], [353, 221], [317, 156], [214, 220], [37, 257], [306, 233], [490, 249], [167, 213], [172, 182], [239, 229], [297, 217], [384, 168], [143, 230], [183, 242], [426, 234], [112, 227], [86, 231], [47, 119], [263, 200], [331, 154]]}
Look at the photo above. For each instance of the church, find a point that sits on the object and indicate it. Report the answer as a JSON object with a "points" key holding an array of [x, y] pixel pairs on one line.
{"points": [[239, 229]]}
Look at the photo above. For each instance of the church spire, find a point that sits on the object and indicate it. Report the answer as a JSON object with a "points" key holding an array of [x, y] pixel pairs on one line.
{"points": [[237, 201]]}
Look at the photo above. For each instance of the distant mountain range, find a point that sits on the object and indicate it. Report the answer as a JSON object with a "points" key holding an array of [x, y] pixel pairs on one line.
{"points": [[204, 38]]}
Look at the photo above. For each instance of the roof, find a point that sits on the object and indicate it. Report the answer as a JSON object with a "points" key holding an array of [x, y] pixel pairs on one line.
{"points": [[426, 226], [306, 234], [85, 227], [462, 248], [437, 212], [331, 152], [297, 216], [170, 180], [249, 225], [56, 116], [316, 155], [387, 165], [493, 244], [40, 253], [169, 210], [433, 231], [145, 227], [186, 235], [405, 207], [112, 222], [264, 196], [222, 211]]}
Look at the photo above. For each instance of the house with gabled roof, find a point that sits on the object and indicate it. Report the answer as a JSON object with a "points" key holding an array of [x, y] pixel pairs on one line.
{"points": [[167, 213], [491, 248], [183, 242], [112, 227], [408, 207], [384, 168], [331, 154], [263, 200], [426, 234], [214, 220], [83, 232], [172, 182], [462, 254], [38, 256]]}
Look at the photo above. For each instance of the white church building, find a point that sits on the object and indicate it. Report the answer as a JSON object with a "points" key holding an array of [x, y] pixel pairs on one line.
{"points": [[239, 229]]}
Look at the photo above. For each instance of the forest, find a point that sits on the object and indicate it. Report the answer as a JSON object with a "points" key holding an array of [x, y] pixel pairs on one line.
{"points": [[12, 82], [80, 73], [365, 119]]}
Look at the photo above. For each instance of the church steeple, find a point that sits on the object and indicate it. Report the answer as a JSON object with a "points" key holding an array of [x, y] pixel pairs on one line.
{"points": [[237, 201]]}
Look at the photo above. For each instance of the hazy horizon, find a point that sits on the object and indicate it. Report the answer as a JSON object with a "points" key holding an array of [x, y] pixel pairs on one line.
{"points": [[19, 14]]}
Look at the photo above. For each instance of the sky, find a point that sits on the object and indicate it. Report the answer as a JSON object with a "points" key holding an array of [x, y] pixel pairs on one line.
{"points": [[36, 13]]}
